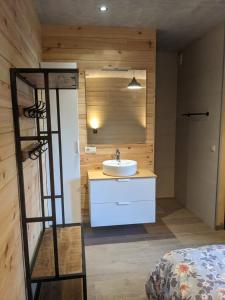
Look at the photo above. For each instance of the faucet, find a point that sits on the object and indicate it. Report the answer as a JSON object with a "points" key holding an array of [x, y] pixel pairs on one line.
{"points": [[117, 155]]}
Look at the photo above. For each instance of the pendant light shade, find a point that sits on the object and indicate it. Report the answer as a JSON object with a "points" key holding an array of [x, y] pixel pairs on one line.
{"points": [[134, 84]]}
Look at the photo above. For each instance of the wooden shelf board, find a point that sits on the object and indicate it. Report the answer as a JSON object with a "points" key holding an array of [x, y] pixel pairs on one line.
{"points": [[56, 80], [61, 290], [69, 253]]}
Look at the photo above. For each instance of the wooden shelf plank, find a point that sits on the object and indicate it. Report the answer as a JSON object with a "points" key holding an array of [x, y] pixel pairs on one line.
{"points": [[56, 80], [61, 290], [69, 249]]}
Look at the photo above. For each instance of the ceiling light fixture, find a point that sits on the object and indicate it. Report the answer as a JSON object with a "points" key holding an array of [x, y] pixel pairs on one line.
{"points": [[134, 84], [103, 8]]}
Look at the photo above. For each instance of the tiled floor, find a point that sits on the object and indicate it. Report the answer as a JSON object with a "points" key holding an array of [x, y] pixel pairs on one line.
{"points": [[118, 271]]}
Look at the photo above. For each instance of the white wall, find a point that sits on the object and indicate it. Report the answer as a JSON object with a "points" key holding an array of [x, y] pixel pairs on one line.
{"points": [[70, 149], [200, 87], [165, 133], [71, 157]]}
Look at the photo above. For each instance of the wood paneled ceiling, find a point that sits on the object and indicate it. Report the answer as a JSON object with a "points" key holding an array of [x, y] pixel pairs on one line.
{"points": [[178, 21]]}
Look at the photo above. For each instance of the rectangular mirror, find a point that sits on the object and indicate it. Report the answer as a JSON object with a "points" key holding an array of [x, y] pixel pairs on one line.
{"points": [[116, 106]]}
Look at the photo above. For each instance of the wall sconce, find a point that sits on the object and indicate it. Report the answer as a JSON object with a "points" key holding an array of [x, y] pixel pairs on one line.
{"points": [[94, 124], [134, 84]]}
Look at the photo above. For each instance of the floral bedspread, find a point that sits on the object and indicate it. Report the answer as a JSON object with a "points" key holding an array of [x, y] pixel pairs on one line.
{"points": [[190, 274]]}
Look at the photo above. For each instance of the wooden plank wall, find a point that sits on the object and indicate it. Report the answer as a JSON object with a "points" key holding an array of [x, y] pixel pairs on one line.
{"points": [[97, 48], [19, 47]]}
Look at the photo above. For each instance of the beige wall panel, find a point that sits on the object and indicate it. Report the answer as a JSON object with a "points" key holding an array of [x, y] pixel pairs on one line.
{"points": [[200, 90], [165, 133]]}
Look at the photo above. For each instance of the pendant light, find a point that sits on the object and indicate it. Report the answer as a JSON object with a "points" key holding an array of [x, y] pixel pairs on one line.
{"points": [[134, 84]]}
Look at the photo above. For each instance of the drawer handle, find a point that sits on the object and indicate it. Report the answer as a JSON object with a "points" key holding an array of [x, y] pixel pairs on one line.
{"points": [[123, 203], [123, 180]]}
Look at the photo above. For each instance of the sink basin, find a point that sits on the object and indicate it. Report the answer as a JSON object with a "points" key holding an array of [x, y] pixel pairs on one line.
{"points": [[122, 167]]}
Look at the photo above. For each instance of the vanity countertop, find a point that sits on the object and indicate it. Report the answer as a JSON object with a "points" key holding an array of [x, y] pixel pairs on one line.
{"points": [[141, 173]]}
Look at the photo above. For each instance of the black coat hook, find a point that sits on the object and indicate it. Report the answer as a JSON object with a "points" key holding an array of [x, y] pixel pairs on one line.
{"points": [[38, 150], [36, 111]]}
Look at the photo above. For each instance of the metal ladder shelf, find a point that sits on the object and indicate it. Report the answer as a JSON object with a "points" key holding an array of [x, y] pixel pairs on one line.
{"points": [[59, 253]]}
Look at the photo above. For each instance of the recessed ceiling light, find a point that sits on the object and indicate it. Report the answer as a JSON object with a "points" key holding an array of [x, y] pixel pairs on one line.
{"points": [[103, 8]]}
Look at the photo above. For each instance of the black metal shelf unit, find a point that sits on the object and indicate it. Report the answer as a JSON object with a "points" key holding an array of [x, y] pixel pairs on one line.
{"points": [[61, 264]]}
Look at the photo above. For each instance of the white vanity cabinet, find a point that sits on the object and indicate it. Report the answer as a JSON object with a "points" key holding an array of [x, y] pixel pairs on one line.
{"points": [[120, 201]]}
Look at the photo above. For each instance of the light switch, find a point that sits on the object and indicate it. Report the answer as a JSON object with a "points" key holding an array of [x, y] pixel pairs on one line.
{"points": [[90, 149]]}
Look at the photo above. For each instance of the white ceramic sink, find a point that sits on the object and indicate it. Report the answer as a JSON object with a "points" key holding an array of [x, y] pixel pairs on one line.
{"points": [[121, 167]]}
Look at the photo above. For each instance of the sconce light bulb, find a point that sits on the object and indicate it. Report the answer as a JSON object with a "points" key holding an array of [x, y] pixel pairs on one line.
{"points": [[94, 123]]}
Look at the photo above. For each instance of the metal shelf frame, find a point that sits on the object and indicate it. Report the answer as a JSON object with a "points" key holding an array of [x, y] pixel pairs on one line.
{"points": [[70, 82]]}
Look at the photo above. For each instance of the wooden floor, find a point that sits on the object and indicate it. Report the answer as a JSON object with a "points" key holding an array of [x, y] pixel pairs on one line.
{"points": [[69, 249], [118, 271]]}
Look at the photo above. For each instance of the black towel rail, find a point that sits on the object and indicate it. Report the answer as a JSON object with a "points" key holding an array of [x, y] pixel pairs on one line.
{"points": [[196, 114]]}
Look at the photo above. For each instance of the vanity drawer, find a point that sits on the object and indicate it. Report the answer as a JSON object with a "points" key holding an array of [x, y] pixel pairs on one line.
{"points": [[119, 213], [114, 190]]}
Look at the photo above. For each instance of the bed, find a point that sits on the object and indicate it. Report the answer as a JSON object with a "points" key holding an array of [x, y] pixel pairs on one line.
{"points": [[190, 274]]}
